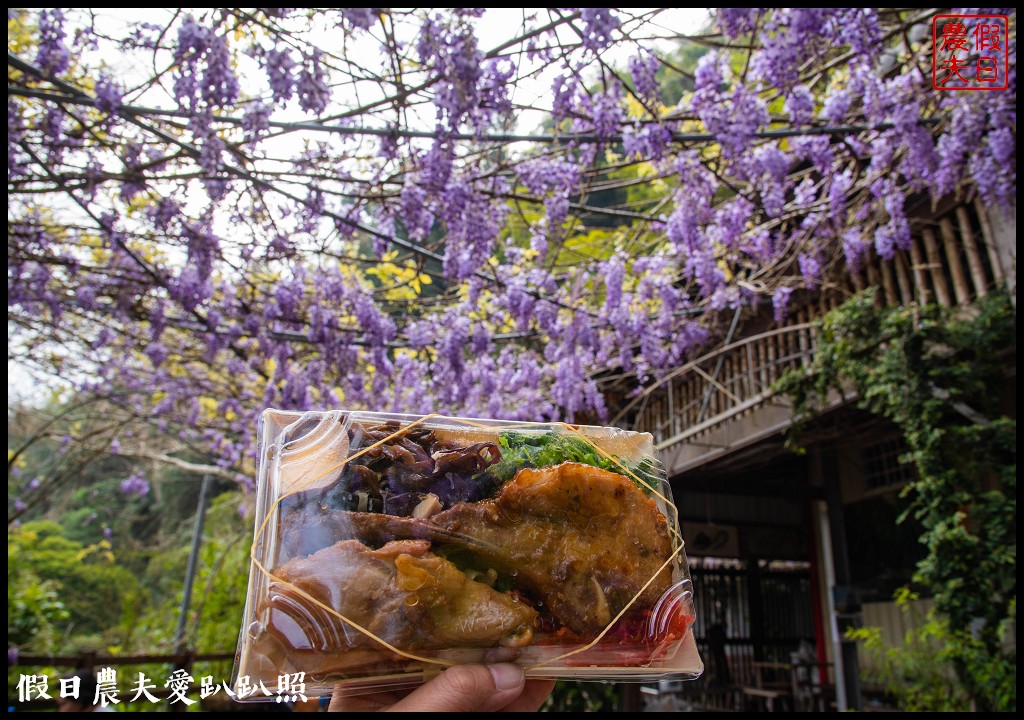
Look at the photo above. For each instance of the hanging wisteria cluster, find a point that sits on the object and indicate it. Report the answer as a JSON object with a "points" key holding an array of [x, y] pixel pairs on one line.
{"points": [[213, 212]]}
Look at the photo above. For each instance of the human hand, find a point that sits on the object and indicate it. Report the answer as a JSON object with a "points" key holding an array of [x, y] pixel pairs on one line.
{"points": [[463, 688]]}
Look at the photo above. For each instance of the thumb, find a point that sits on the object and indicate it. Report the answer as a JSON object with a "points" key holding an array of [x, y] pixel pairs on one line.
{"points": [[466, 688]]}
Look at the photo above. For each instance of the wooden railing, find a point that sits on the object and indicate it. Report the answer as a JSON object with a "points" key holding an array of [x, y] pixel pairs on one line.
{"points": [[721, 384]]}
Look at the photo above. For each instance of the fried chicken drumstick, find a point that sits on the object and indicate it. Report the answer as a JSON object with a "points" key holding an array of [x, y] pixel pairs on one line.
{"points": [[402, 593]]}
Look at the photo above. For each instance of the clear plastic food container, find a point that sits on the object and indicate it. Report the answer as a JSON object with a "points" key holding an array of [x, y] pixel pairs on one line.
{"points": [[388, 547]]}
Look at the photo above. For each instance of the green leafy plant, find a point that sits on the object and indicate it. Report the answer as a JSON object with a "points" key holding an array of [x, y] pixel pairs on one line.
{"points": [[572, 696], [920, 672], [519, 450], [944, 377], [56, 585]]}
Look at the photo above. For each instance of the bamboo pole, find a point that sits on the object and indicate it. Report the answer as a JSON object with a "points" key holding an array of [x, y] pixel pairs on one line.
{"points": [[956, 267], [990, 244], [752, 382], [973, 256], [920, 276], [903, 278], [858, 281], [762, 377], [887, 283], [729, 381], [935, 268], [803, 340], [874, 280]]}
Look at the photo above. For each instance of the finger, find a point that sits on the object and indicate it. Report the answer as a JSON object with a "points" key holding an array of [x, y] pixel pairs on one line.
{"points": [[465, 688], [534, 695]]}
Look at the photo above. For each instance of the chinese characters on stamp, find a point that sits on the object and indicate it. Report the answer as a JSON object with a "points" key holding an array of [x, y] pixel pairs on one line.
{"points": [[970, 52]]}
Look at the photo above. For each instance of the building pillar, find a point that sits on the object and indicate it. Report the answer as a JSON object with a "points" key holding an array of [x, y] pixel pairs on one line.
{"points": [[827, 518]]}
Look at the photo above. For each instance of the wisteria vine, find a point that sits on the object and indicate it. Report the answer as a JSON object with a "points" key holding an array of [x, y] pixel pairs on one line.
{"points": [[225, 210]]}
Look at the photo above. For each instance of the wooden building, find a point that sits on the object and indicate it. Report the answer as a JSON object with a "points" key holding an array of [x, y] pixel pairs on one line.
{"points": [[786, 549]]}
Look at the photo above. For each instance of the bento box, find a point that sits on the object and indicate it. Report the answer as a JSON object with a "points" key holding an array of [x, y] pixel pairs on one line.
{"points": [[388, 547]]}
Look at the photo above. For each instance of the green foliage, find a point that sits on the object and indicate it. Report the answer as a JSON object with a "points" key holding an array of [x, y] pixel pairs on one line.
{"points": [[921, 672], [942, 376], [223, 577], [35, 613], [519, 450], [572, 696], [218, 594], [91, 569], [57, 585]]}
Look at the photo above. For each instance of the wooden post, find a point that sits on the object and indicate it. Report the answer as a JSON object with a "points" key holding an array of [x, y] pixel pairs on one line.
{"points": [[858, 281], [629, 697], [935, 268], [729, 381], [659, 430], [672, 409], [990, 244], [887, 284], [956, 268], [843, 577], [920, 276], [973, 256], [717, 397], [685, 402], [874, 280], [752, 387], [804, 341], [740, 380], [762, 376], [903, 278]]}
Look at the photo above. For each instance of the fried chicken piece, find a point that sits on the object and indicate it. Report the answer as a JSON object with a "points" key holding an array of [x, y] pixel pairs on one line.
{"points": [[581, 540], [402, 593]]}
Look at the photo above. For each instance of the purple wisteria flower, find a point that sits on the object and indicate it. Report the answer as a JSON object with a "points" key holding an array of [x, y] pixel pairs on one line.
{"points": [[733, 117], [311, 86], [256, 122], [135, 485], [734, 21], [204, 77], [644, 69], [52, 54], [361, 18], [599, 25], [108, 95], [780, 303], [280, 67]]}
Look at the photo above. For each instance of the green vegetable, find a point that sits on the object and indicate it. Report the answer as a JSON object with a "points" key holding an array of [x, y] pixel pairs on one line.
{"points": [[519, 450]]}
